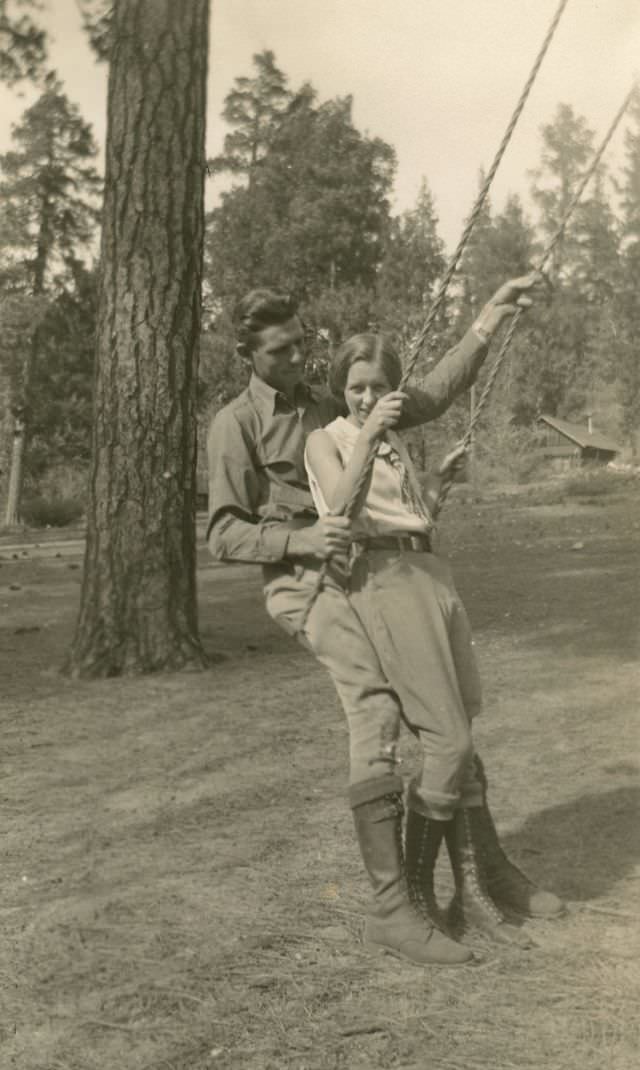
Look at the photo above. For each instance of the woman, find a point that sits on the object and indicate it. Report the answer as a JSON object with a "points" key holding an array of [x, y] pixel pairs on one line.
{"points": [[404, 595]]}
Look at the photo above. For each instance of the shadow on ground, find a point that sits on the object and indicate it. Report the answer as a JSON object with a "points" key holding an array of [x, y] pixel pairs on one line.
{"points": [[583, 848]]}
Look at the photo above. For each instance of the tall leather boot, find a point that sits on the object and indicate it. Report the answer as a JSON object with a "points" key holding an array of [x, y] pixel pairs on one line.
{"points": [[472, 906], [508, 886], [423, 837], [394, 924]]}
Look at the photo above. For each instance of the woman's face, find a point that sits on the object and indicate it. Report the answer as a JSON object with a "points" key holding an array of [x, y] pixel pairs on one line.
{"points": [[366, 384]]}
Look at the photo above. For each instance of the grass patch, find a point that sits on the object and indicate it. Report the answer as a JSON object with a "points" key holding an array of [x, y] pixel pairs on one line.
{"points": [[599, 482]]}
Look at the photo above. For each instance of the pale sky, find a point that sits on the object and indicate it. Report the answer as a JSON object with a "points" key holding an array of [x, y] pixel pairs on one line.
{"points": [[438, 80]]}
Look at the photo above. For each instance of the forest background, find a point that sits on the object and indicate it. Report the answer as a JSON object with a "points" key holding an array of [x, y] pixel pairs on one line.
{"points": [[308, 206]]}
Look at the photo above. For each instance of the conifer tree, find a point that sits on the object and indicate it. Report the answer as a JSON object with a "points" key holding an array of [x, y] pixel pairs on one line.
{"points": [[567, 146], [253, 108], [575, 333], [22, 42], [627, 351], [317, 209], [49, 187], [413, 262], [138, 608]]}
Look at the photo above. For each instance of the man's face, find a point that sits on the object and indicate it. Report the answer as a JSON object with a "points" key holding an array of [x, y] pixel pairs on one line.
{"points": [[278, 357]]}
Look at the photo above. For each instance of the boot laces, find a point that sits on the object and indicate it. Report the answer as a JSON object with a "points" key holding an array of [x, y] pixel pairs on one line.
{"points": [[475, 882]]}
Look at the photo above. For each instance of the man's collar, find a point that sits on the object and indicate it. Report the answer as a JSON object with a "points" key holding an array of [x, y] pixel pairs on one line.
{"points": [[264, 393]]}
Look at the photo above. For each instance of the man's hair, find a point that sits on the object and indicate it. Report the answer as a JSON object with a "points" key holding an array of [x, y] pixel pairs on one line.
{"points": [[259, 309], [367, 347]]}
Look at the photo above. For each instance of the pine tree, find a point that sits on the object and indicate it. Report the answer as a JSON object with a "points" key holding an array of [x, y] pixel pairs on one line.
{"points": [[574, 336], [22, 42], [253, 108], [49, 186], [596, 280], [97, 20], [514, 242], [501, 246], [318, 209], [61, 405], [567, 146], [597, 245], [476, 262], [138, 608], [630, 186], [413, 262], [330, 186], [234, 243], [510, 252], [20, 316], [237, 229], [627, 351]]}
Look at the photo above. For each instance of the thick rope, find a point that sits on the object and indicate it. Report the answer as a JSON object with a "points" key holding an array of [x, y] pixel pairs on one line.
{"points": [[544, 258], [438, 300], [418, 343]]}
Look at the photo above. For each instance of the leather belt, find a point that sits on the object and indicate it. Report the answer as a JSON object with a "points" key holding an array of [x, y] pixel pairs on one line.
{"points": [[406, 543]]}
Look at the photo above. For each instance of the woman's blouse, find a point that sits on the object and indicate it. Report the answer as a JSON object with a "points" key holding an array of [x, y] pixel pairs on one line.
{"points": [[394, 502]]}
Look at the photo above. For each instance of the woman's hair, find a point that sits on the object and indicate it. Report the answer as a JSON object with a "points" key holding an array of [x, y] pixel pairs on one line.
{"points": [[257, 310], [371, 348]]}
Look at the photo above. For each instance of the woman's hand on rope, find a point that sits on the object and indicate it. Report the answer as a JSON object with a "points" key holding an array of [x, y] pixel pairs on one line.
{"points": [[329, 536], [384, 415], [505, 302]]}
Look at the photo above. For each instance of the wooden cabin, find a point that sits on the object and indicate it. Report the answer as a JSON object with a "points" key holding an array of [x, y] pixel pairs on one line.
{"points": [[567, 445]]}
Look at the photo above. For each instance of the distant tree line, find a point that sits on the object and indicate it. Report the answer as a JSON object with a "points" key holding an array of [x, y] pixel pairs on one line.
{"points": [[308, 208]]}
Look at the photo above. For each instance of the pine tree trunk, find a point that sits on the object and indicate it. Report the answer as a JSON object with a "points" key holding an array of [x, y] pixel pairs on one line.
{"points": [[14, 489], [20, 432], [138, 604]]}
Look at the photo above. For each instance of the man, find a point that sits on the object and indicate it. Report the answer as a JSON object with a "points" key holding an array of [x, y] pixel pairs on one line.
{"points": [[261, 511]]}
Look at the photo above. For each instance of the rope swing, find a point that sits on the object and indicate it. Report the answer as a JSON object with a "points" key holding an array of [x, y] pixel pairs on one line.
{"points": [[465, 441], [416, 347], [418, 343]]}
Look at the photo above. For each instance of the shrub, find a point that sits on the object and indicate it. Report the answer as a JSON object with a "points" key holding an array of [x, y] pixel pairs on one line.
{"points": [[48, 512], [506, 454], [595, 482], [60, 482]]}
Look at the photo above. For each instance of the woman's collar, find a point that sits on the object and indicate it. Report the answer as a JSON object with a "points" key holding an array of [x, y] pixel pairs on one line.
{"points": [[384, 448]]}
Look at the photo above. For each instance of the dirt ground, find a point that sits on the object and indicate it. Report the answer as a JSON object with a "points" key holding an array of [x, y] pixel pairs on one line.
{"points": [[180, 884]]}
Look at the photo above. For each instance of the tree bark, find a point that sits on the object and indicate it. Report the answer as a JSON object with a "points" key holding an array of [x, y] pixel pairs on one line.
{"points": [[138, 608], [20, 435], [12, 512], [20, 432]]}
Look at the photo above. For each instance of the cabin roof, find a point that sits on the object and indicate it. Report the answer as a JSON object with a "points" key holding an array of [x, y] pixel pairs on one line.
{"points": [[581, 436]]}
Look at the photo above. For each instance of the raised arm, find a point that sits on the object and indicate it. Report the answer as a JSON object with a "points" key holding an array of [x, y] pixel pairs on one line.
{"points": [[458, 369]]}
